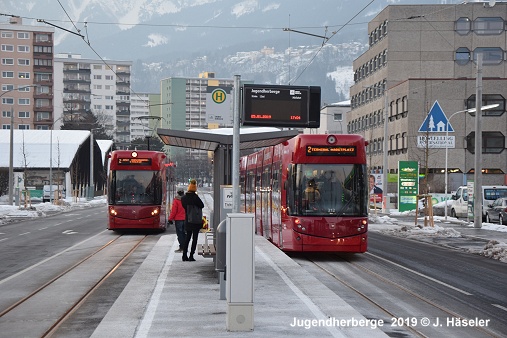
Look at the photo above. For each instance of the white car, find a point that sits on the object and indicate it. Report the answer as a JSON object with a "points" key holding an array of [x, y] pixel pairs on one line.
{"points": [[57, 189]]}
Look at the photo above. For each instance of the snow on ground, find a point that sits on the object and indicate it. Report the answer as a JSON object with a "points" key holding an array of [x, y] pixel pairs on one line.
{"points": [[391, 226], [10, 213], [386, 224]]}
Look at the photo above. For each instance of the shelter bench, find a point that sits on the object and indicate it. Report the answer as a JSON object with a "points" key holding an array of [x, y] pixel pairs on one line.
{"points": [[207, 249]]}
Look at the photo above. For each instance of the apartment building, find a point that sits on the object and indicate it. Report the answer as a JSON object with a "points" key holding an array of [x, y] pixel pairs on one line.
{"points": [[26, 69], [103, 88], [144, 115], [185, 104], [419, 71]]}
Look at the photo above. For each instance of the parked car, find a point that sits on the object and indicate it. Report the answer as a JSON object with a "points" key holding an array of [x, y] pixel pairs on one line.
{"points": [[58, 192], [497, 211], [460, 206]]}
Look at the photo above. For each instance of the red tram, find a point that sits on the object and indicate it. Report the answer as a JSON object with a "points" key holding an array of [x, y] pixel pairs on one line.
{"points": [[309, 194], [137, 190]]}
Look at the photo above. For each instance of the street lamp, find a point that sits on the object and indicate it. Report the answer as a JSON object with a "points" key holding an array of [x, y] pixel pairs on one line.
{"points": [[471, 110], [11, 145]]}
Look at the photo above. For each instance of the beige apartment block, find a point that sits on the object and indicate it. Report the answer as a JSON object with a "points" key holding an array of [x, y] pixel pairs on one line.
{"points": [[26, 75], [419, 76]]}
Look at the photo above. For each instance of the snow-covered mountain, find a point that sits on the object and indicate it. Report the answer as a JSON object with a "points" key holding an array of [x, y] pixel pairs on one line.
{"points": [[132, 29], [328, 66], [221, 32]]}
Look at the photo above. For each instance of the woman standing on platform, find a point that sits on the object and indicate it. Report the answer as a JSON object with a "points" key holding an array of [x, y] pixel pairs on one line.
{"points": [[178, 216], [192, 225]]}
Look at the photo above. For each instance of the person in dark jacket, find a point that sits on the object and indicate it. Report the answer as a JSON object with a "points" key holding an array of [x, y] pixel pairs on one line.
{"points": [[192, 229], [178, 217]]}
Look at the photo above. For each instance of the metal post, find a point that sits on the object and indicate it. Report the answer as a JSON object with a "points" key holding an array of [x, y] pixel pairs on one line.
{"points": [[235, 146], [478, 147], [445, 173], [446, 156], [385, 162], [51, 163], [91, 190], [11, 158], [471, 110]]}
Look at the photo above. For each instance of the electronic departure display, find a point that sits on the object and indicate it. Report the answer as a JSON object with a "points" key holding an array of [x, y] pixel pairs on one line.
{"points": [[331, 151], [281, 106], [134, 161]]}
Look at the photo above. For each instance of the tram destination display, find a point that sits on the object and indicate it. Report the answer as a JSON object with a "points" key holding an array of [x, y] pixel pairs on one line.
{"points": [[281, 106]]}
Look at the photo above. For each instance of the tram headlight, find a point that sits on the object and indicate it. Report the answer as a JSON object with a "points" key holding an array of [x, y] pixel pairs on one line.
{"points": [[363, 225], [112, 212]]}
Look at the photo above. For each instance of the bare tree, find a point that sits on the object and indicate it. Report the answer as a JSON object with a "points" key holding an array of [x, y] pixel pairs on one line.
{"points": [[26, 171]]}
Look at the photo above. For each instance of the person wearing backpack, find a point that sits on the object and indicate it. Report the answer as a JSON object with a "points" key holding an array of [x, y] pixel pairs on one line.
{"points": [[193, 205]]}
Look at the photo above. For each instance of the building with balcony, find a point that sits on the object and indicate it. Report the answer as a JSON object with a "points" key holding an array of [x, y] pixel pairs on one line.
{"points": [[26, 69], [420, 69], [87, 85]]}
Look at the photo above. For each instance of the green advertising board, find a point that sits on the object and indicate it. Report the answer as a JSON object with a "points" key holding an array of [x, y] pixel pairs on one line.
{"points": [[408, 185]]}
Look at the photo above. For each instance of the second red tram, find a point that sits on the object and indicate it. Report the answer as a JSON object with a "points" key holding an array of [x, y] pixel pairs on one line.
{"points": [[137, 190], [309, 194]]}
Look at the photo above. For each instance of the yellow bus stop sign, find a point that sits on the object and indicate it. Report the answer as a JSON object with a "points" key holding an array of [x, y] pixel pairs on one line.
{"points": [[219, 95]]}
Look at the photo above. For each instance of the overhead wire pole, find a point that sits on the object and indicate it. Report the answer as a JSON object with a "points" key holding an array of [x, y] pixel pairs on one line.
{"points": [[446, 174], [385, 163], [235, 146], [478, 147], [11, 158]]}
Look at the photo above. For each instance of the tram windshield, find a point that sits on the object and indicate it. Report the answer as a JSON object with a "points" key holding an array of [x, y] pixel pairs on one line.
{"points": [[135, 187], [328, 190]]}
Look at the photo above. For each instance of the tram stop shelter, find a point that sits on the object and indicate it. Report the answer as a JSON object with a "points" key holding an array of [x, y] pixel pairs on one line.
{"points": [[219, 141]]}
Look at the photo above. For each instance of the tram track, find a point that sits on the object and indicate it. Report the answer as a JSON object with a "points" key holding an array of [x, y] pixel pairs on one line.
{"points": [[45, 292], [393, 314]]}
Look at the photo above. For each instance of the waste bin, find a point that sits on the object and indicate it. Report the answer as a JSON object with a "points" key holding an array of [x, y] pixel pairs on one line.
{"points": [[221, 238]]}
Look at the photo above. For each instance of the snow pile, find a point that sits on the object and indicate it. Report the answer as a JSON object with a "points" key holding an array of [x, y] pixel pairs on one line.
{"points": [[416, 231], [433, 231], [495, 250]]}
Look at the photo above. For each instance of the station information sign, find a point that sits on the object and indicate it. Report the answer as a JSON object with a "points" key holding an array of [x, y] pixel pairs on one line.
{"points": [[280, 106]]}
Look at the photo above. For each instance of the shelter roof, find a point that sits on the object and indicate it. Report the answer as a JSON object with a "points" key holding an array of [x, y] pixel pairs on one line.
{"points": [[35, 145], [105, 147], [211, 139]]}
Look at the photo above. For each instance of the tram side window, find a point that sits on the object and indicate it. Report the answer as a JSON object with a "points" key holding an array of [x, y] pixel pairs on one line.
{"points": [[289, 190], [251, 192], [276, 182]]}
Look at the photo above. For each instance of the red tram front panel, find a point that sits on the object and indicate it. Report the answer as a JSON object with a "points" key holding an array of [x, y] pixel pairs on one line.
{"points": [[137, 190]]}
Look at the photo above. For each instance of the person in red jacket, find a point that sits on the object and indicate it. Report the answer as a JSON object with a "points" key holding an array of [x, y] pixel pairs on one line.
{"points": [[177, 216]]}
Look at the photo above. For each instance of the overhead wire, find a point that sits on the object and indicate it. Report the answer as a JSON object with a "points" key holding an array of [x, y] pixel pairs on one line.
{"points": [[327, 39], [87, 41]]}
